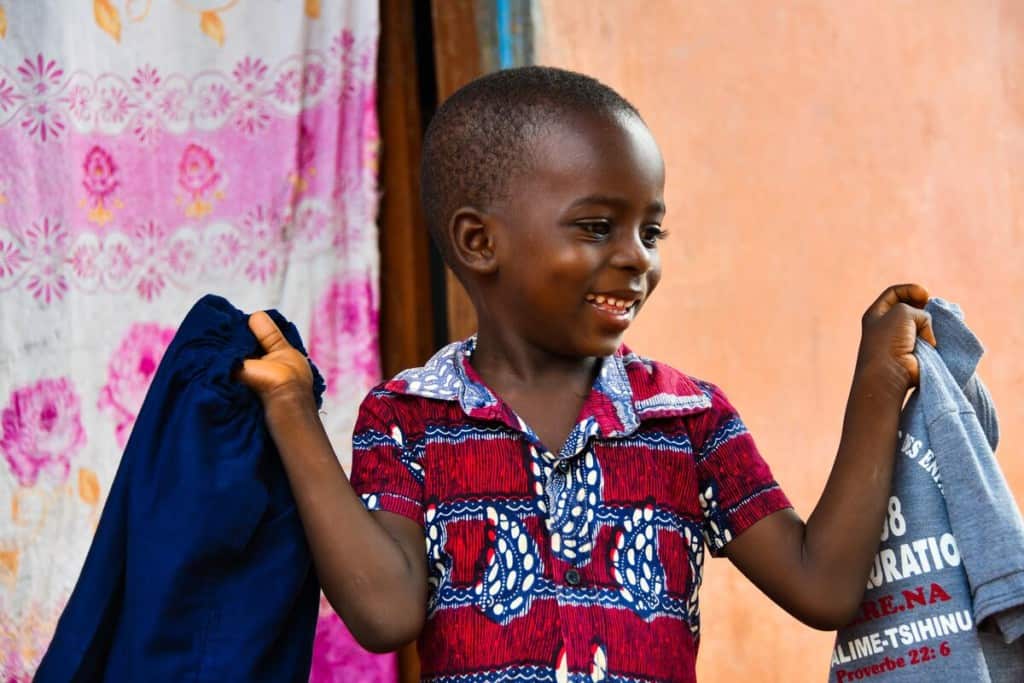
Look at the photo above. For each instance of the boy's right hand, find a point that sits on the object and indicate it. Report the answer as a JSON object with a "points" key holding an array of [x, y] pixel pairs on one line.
{"points": [[372, 568], [283, 371]]}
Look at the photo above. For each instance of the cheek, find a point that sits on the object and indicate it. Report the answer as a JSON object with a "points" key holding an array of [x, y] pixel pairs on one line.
{"points": [[569, 267], [654, 274]]}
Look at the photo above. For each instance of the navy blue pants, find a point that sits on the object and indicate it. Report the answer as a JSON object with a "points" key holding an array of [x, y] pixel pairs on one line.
{"points": [[199, 570]]}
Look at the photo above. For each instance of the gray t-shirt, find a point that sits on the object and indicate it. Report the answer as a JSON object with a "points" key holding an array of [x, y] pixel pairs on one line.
{"points": [[951, 555]]}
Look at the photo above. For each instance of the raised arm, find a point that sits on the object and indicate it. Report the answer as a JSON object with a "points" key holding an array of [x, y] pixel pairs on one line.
{"points": [[818, 571], [372, 567]]}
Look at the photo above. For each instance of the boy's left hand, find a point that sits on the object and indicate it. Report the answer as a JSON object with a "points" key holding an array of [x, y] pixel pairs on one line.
{"points": [[889, 329], [817, 571]]}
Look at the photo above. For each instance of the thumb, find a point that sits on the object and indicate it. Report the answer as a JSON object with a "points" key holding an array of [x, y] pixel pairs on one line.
{"points": [[267, 333]]}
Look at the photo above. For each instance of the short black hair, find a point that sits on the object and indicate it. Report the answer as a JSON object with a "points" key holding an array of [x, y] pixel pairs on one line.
{"points": [[479, 137]]}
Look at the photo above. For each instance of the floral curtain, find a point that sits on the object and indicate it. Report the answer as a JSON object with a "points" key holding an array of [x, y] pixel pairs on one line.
{"points": [[152, 151]]}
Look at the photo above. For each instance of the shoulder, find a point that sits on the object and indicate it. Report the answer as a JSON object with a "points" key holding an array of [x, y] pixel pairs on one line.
{"points": [[648, 376], [383, 405], [653, 381]]}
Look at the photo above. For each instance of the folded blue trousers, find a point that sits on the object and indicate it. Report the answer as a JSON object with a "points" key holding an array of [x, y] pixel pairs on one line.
{"points": [[199, 569]]}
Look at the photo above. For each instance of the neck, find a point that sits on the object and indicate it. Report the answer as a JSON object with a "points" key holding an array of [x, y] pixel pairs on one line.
{"points": [[513, 364]]}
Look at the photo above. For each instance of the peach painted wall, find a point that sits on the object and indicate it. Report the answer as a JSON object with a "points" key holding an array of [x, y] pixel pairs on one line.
{"points": [[816, 152]]}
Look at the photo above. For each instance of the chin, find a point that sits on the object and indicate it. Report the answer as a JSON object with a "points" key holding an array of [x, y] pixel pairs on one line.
{"points": [[601, 346]]}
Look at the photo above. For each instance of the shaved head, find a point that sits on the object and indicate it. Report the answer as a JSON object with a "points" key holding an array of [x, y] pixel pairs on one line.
{"points": [[481, 137]]}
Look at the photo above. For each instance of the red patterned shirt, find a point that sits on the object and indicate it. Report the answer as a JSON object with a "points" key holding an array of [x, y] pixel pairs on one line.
{"points": [[578, 566]]}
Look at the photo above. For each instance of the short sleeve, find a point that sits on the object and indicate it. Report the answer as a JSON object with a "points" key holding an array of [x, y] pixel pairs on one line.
{"points": [[736, 485], [386, 472]]}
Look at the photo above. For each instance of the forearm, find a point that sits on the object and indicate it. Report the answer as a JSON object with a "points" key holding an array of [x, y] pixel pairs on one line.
{"points": [[818, 571], [842, 534], [365, 572]]}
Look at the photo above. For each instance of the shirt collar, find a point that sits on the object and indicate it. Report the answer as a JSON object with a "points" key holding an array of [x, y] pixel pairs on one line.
{"points": [[628, 390]]}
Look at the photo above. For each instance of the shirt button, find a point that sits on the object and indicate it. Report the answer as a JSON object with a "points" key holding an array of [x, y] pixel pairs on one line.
{"points": [[572, 577]]}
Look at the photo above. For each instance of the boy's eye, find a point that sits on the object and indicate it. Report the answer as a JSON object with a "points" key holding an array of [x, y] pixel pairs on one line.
{"points": [[650, 234], [597, 227]]}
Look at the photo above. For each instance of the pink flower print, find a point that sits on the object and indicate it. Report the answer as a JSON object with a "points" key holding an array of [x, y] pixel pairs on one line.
{"points": [[342, 44], [43, 120], [197, 171], [115, 105], [147, 82], [40, 76], [341, 49], [182, 256], [129, 373], [146, 124], [249, 73], [11, 259], [311, 224], [338, 658], [46, 243], [118, 263], [146, 127], [173, 104], [288, 87], [366, 59], [222, 252], [42, 430], [198, 176], [299, 179], [150, 240], [100, 173], [8, 96], [77, 102], [313, 79], [100, 181], [347, 182], [215, 100], [307, 147], [252, 117], [151, 283], [15, 669], [265, 234], [343, 335], [84, 261]]}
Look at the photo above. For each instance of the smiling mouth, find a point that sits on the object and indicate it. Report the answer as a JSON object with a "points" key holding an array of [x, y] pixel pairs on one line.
{"points": [[624, 309]]}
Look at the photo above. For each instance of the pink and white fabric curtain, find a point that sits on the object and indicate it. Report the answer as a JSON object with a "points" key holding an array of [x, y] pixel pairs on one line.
{"points": [[152, 151]]}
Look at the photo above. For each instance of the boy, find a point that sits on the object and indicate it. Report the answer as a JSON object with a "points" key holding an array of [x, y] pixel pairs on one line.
{"points": [[562, 485]]}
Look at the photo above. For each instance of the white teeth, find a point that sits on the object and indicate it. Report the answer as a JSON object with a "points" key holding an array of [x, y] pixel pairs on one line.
{"points": [[621, 304]]}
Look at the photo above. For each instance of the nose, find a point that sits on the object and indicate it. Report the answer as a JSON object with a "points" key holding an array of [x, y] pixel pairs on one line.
{"points": [[632, 254]]}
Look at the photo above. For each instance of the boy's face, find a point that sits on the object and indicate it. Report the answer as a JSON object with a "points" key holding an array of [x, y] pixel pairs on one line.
{"points": [[576, 239]]}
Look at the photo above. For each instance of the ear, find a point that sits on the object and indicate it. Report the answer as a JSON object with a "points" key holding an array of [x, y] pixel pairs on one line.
{"points": [[472, 238]]}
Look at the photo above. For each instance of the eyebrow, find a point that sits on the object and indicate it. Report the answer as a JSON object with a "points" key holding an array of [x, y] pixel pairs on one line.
{"points": [[657, 206]]}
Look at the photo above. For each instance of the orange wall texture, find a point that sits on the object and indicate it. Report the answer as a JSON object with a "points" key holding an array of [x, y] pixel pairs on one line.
{"points": [[816, 152]]}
